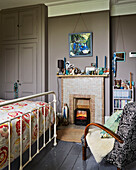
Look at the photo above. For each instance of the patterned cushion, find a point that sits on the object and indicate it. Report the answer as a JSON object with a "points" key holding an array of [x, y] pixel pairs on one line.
{"points": [[124, 154], [112, 123]]}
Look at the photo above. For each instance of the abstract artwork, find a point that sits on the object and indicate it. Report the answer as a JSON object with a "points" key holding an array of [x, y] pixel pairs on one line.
{"points": [[80, 44]]}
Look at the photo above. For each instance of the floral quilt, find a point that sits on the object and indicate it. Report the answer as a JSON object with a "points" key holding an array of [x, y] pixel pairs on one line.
{"points": [[11, 111]]}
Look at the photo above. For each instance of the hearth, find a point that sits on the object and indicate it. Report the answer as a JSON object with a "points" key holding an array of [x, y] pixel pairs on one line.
{"points": [[81, 116]]}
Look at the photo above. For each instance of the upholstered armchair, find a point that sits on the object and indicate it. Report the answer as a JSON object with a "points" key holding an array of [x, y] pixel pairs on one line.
{"points": [[124, 148]]}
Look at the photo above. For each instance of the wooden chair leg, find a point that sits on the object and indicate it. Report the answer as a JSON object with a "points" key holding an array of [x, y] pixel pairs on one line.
{"points": [[83, 153], [118, 169]]}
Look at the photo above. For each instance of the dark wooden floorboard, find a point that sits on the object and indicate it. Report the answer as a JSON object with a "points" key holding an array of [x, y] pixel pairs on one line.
{"points": [[36, 164], [69, 162], [68, 156], [79, 164], [58, 155], [53, 159], [91, 164]]}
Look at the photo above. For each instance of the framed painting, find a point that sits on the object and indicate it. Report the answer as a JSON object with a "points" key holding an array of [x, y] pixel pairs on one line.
{"points": [[120, 56], [80, 44]]}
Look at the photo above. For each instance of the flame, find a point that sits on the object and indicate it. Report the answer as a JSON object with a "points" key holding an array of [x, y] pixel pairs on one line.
{"points": [[81, 114]]}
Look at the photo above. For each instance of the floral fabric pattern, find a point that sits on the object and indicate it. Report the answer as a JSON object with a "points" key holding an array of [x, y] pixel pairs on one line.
{"points": [[11, 111]]}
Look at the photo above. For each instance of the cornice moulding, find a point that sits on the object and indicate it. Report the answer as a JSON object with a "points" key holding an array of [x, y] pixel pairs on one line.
{"points": [[78, 7], [123, 9]]}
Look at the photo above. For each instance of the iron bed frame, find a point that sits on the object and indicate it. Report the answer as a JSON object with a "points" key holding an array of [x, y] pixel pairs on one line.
{"points": [[38, 137]]}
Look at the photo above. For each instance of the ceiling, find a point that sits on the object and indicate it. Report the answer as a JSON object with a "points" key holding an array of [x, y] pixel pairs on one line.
{"points": [[55, 4]]}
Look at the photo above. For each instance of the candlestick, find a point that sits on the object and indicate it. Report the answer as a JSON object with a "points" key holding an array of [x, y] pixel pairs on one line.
{"points": [[64, 62], [96, 61], [105, 62]]}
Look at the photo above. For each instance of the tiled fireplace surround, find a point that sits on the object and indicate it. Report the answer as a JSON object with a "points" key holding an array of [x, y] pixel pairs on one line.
{"points": [[87, 88], [91, 99]]}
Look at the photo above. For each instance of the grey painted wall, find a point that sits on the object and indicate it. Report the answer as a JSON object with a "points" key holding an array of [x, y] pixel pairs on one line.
{"points": [[58, 30], [126, 26]]}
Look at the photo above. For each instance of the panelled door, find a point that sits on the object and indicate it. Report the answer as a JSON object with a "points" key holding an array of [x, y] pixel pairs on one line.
{"points": [[19, 64], [27, 69], [19, 25], [28, 24], [9, 59], [9, 26]]}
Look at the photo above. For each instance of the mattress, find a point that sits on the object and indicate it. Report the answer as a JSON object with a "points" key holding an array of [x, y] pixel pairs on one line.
{"points": [[14, 110]]}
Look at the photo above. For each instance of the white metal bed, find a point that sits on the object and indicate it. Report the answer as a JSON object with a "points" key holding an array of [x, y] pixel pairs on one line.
{"points": [[30, 125]]}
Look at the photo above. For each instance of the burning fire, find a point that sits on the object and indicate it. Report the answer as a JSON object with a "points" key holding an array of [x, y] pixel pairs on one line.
{"points": [[81, 115]]}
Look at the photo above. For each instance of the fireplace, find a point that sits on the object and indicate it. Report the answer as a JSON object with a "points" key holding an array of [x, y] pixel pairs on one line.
{"points": [[84, 92], [85, 102], [81, 116]]}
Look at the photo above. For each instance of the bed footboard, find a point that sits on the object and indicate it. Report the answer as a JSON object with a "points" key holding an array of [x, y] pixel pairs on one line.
{"points": [[20, 117]]}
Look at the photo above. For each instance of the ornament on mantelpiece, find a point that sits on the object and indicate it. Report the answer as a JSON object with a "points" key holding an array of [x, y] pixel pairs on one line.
{"points": [[65, 114]]}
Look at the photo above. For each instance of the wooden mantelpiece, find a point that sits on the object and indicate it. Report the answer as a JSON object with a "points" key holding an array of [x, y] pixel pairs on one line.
{"points": [[73, 76]]}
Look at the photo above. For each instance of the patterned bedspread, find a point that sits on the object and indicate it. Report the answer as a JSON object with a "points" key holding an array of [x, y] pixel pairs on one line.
{"points": [[11, 111]]}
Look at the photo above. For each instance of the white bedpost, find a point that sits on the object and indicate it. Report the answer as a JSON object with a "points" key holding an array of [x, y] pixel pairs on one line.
{"points": [[9, 144], [21, 167], [38, 127], [55, 135], [30, 134], [49, 121], [44, 127]]}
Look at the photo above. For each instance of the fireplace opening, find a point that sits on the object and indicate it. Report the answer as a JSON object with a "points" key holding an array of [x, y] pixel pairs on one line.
{"points": [[82, 116]]}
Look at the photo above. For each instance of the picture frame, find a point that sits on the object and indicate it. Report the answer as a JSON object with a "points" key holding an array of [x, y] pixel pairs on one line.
{"points": [[80, 44], [120, 56], [89, 69]]}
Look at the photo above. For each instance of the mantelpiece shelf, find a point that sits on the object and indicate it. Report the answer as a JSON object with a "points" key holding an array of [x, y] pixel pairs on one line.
{"points": [[72, 76]]}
